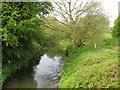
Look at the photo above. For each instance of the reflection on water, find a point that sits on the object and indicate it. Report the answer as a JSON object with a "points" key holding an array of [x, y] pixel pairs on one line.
{"points": [[43, 75], [46, 71]]}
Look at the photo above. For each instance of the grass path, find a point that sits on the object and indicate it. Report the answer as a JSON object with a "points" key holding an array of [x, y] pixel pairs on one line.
{"points": [[105, 49]]}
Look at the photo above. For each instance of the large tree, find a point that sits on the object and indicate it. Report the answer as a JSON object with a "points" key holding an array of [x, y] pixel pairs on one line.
{"points": [[21, 26], [79, 20]]}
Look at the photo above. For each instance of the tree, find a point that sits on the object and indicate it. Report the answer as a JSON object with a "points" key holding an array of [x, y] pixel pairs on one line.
{"points": [[75, 17], [53, 29], [91, 28], [116, 29], [21, 26]]}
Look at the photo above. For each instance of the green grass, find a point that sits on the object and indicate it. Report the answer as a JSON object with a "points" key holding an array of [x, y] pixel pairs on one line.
{"points": [[109, 40], [87, 67], [107, 35], [112, 41]]}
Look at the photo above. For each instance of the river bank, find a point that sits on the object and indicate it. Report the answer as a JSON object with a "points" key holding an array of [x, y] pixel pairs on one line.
{"points": [[41, 72], [89, 67], [8, 70], [84, 67]]}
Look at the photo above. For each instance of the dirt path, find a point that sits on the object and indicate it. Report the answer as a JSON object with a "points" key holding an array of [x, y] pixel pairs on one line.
{"points": [[105, 49], [115, 47]]}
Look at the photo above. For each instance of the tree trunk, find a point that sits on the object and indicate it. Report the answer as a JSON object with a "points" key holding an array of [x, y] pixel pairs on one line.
{"points": [[74, 41], [74, 44], [80, 43]]}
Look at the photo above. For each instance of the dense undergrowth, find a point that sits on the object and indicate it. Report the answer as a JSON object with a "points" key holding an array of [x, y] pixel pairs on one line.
{"points": [[21, 61], [22, 34], [88, 67]]}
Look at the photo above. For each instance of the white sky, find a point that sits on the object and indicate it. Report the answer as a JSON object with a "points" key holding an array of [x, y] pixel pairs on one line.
{"points": [[111, 7]]}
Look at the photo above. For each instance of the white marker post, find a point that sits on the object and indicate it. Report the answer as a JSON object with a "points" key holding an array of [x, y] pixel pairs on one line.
{"points": [[95, 45]]}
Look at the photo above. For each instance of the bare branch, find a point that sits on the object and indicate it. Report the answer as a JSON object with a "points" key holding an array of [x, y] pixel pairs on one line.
{"points": [[74, 6], [55, 28], [84, 10], [64, 6]]}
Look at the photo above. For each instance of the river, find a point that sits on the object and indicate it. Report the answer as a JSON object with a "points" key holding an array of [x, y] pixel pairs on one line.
{"points": [[45, 74]]}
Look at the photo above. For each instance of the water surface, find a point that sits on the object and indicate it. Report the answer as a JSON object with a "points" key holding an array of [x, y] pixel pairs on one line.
{"points": [[43, 75]]}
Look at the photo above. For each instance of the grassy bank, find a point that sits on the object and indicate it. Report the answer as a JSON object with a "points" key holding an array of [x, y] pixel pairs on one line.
{"points": [[21, 61], [88, 67]]}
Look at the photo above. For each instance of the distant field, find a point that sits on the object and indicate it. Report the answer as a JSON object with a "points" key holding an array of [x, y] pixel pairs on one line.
{"points": [[109, 40], [108, 35]]}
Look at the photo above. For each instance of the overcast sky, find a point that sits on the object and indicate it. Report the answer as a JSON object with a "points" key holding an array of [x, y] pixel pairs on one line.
{"points": [[111, 7]]}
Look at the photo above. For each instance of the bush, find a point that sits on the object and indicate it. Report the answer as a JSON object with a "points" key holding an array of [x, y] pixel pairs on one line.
{"points": [[116, 28]]}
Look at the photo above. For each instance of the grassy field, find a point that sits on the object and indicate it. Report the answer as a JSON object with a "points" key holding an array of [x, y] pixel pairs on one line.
{"points": [[88, 67], [109, 40]]}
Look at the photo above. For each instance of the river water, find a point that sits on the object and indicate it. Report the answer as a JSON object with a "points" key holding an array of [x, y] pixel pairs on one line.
{"points": [[45, 74]]}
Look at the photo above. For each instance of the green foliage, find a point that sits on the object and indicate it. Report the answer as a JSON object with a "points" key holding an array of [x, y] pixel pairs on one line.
{"points": [[52, 29], [91, 28], [116, 28], [108, 40], [87, 67], [79, 25], [20, 22], [66, 44], [108, 35], [22, 35], [20, 59], [113, 41]]}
